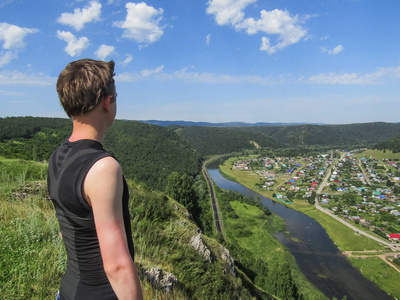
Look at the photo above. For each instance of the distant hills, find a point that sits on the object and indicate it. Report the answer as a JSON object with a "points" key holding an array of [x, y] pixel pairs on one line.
{"points": [[150, 152], [219, 140], [208, 124]]}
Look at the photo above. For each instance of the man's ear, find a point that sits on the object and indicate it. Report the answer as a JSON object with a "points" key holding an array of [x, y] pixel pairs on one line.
{"points": [[107, 103]]}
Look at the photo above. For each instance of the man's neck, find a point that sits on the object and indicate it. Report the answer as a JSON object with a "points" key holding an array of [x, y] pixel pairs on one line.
{"points": [[84, 129]]}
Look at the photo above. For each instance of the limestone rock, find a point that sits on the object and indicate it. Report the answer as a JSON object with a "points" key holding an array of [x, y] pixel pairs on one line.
{"points": [[226, 257], [197, 243], [161, 279]]}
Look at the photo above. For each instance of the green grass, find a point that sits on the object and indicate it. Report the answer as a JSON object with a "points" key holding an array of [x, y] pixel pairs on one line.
{"points": [[345, 238], [384, 276], [378, 154]]}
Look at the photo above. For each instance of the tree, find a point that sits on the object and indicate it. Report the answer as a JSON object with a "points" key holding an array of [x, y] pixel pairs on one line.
{"points": [[181, 189]]}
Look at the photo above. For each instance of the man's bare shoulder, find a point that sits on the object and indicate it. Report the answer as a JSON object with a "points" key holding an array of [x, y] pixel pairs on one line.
{"points": [[103, 182], [107, 166]]}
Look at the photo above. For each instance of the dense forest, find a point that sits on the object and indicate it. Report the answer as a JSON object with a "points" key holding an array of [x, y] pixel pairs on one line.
{"points": [[216, 140], [391, 144], [278, 136]]}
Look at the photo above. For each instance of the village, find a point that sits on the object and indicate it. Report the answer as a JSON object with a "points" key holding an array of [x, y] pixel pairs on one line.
{"points": [[361, 190]]}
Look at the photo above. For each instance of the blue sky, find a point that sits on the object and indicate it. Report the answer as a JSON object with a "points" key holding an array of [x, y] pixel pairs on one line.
{"points": [[316, 61]]}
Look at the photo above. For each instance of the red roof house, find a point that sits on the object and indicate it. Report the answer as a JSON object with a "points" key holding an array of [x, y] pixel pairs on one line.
{"points": [[394, 236]]}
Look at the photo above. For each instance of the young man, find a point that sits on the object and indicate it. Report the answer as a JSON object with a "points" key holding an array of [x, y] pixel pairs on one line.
{"points": [[88, 190]]}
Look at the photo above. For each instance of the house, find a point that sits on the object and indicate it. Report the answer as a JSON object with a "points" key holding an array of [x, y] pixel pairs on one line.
{"points": [[394, 237]]}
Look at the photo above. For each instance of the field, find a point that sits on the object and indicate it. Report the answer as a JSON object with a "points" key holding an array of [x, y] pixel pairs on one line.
{"points": [[380, 273], [378, 154]]}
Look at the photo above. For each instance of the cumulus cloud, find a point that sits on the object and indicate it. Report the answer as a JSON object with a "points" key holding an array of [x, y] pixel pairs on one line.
{"points": [[275, 22], [74, 46], [228, 11], [336, 50], [13, 36], [141, 23], [287, 28], [104, 51], [80, 17]]}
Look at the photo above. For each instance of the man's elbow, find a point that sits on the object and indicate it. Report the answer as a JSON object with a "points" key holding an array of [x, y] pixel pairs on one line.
{"points": [[117, 268]]}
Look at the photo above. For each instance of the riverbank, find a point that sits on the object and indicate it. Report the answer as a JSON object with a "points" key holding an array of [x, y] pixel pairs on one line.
{"points": [[346, 239]]}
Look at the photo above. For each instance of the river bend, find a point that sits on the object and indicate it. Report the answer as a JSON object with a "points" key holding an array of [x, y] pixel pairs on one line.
{"points": [[318, 257]]}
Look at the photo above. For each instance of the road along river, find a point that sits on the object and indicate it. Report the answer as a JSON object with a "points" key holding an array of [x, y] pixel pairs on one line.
{"points": [[319, 259]]}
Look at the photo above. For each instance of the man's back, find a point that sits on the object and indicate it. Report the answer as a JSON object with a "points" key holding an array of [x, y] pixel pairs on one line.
{"points": [[68, 166]]}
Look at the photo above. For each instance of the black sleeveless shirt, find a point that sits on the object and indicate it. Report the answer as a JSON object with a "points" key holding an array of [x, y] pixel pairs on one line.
{"points": [[85, 277]]}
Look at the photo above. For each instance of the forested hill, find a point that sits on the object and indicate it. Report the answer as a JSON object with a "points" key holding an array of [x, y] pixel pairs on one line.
{"points": [[217, 140], [148, 153], [212, 140], [365, 134], [208, 124]]}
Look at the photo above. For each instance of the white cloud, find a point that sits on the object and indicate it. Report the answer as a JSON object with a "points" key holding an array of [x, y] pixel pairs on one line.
{"points": [[104, 51], [74, 46], [150, 72], [127, 60], [80, 17], [208, 38], [11, 93], [13, 36], [336, 50], [187, 76], [275, 22], [16, 77], [141, 23], [380, 76], [228, 11], [288, 28], [6, 57]]}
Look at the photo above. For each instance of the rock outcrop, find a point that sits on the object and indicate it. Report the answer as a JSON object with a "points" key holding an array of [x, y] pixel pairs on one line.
{"points": [[226, 257], [197, 243], [161, 279]]}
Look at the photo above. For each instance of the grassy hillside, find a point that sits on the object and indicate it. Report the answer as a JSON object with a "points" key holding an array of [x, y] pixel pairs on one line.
{"points": [[33, 258]]}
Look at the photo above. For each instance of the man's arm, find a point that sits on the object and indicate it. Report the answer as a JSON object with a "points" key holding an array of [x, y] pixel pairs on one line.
{"points": [[103, 187]]}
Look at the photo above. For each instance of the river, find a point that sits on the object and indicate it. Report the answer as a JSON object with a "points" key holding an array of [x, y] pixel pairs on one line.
{"points": [[318, 257]]}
